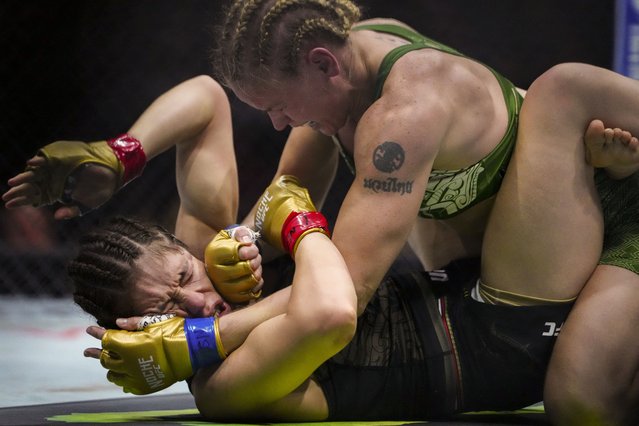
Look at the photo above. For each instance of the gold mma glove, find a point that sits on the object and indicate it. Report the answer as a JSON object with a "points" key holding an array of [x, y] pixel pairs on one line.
{"points": [[147, 361], [123, 155], [232, 278], [286, 214]]}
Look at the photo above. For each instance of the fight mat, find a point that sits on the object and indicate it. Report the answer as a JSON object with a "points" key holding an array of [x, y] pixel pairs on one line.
{"points": [[179, 410]]}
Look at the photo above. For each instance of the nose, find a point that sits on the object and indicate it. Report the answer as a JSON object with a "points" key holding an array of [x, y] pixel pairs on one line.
{"points": [[194, 303], [201, 305], [279, 120]]}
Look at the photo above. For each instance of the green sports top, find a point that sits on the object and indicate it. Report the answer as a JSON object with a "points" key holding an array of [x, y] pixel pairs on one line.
{"points": [[450, 192]]}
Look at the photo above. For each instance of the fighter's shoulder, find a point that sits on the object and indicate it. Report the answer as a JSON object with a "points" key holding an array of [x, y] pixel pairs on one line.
{"points": [[384, 21]]}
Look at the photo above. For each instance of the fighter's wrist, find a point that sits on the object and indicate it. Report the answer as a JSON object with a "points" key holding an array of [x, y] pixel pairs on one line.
{"points": [[204, 342], [129, 152], [299, 224]]}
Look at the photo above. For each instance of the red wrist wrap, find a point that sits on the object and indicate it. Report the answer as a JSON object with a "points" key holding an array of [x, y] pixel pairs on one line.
{"points": [[129, 151], [297, 223]]}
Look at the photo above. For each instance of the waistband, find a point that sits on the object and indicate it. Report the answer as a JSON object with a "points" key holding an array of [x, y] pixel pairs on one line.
{"points": [[482, 292]]}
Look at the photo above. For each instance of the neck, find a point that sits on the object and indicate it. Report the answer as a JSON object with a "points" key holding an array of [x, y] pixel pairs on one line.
{"points": [[360, 75]]}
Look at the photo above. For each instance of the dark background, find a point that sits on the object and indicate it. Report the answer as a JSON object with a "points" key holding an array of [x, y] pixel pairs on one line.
{"points": [[77, 69]]}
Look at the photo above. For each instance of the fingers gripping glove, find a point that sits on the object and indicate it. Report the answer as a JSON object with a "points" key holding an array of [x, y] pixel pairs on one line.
{"points": [[286, 214], [123, 155], [232, 278], [143, 362]]}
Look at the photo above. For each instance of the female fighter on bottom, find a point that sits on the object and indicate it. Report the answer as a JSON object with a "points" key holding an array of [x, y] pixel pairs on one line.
{"points": [[423, 346]]}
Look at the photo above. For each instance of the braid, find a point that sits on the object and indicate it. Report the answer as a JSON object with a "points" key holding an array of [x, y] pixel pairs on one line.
{"points": [[231, 16], [308, 27], [104, 270], [260, 36], [230, 45], [241, 27], [104, 317], [276, 11]]}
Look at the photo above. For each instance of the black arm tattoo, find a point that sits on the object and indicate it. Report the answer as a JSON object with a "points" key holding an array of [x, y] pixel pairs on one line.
{"points": [[387, 158]]}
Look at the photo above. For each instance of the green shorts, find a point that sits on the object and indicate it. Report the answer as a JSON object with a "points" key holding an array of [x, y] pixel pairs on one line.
{"points": [[620, 204]]}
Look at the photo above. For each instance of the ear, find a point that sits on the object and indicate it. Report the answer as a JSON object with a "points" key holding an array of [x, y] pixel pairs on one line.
{"points": [[324, 60]]}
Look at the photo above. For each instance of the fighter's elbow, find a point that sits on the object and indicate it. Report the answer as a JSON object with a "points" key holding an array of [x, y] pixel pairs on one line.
{"points": [[341, 327], [327, 326]]}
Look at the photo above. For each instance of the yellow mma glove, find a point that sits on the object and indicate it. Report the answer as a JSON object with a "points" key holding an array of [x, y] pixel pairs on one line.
{"points": [[232, 278], [122, 155], [286, 213], [147, 361]]}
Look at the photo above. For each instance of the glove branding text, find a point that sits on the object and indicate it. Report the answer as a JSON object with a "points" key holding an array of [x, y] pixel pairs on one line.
{"points": [[262, 209], [151, 372]]}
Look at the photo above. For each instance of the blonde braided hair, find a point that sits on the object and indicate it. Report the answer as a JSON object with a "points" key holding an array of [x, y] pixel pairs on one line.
{"points": [[262, 36]]}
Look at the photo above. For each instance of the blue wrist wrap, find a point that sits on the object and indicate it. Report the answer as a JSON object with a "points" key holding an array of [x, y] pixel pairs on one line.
{"points": [[200, 337]]}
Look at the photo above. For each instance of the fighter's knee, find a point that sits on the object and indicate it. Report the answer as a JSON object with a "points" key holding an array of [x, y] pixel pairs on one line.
{"points": [[559, 84]]}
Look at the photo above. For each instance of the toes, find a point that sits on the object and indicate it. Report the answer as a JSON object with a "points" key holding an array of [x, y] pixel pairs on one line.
{"points": [[595, 130], [609, 136], [622, 136]]}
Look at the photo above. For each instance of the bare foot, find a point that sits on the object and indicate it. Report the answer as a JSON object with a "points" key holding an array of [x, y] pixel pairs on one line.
{"points": [[615, 150]]}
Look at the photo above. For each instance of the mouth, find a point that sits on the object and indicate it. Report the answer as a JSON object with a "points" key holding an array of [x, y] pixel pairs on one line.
{"points": [[221, 308]]}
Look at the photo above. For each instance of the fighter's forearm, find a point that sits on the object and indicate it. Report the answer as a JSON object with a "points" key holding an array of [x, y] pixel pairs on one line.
{"points": [[178, 115], [236, 326]]}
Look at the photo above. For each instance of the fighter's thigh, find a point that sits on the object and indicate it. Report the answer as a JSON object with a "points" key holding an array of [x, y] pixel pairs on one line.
{"points": [[595, 361], [544, 235]]}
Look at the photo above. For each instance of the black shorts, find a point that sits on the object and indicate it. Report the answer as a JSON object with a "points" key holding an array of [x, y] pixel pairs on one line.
{"points": [[424, 349]]}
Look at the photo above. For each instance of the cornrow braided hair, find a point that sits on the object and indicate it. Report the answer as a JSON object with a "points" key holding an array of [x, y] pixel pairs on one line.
{"points": [[241, 27], [262, 36], [277, 12], [104, 270], [308, 27], [231, 16]]}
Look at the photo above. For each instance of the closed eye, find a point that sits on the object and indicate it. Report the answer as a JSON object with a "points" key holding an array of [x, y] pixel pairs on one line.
{"points": [[186, 271]]}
